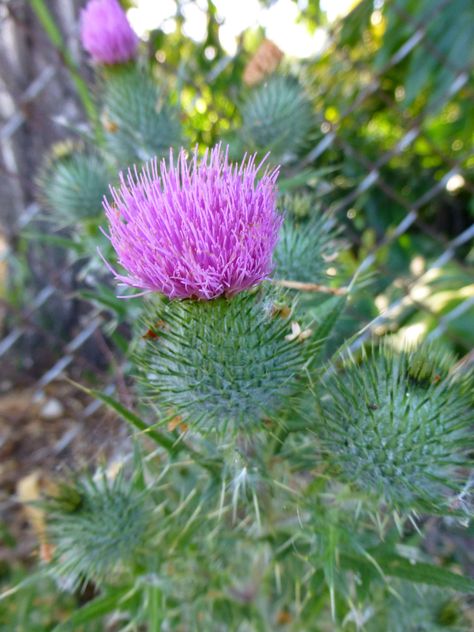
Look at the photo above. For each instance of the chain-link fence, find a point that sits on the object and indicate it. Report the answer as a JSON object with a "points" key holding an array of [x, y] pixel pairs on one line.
{"points": [[43, 327], [420, 61], [38, 105]]}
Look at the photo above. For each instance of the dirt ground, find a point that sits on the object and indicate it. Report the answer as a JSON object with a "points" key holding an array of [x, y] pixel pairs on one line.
{"points": [[43, 434]]}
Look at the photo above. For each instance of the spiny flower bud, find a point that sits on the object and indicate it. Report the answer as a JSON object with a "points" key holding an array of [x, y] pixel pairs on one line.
{"points": [[138, 120], [195, 229], [106, 33], [225, 363], [72, 184], [277, 116], [95, 526], [398, 425], [307, 243]]}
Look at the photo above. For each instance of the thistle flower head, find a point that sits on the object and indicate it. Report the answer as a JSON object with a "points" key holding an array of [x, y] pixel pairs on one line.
{"points": [[106, 33], [195, 228]]}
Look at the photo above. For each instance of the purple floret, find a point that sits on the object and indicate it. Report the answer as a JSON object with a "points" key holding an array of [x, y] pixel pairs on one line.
{"points": [[195, 229], [106, 33]]}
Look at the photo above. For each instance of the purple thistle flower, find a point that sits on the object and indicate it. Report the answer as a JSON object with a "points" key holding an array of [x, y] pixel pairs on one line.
{"points": [[106, 33], [197, 229]]}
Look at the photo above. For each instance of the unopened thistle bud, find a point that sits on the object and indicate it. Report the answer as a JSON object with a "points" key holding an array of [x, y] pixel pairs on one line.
{"points": [[397, 425], [277, 116], [139, 122], [72, 184], [308, 241], [96, 527], [106, 33]]}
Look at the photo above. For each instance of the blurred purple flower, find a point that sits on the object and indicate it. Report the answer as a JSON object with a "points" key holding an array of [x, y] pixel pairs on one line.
{"points": [[106, 33], [197, 228]]}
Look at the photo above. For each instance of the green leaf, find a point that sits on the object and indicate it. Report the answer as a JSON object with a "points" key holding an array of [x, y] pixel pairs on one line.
{"points": [[167, 442], [423, 573], [135, 421], [10, 592], [103, 299], [393, 565], [55, 240], [102, 605], [154, 603]]}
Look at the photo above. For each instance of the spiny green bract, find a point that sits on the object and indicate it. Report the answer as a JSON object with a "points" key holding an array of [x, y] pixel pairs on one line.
{"points": [[277, 116], [398, 428], [73, 185], [95, 527], [139, 123], [222, 362], [306, 245]]}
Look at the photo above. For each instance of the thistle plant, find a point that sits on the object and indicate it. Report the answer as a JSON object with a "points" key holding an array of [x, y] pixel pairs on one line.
{"points": [[274, 476], [278, 475], [205, 231]]}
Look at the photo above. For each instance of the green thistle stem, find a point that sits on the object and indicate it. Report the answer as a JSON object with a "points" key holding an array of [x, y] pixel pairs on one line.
{"points": [[154, 603]]}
